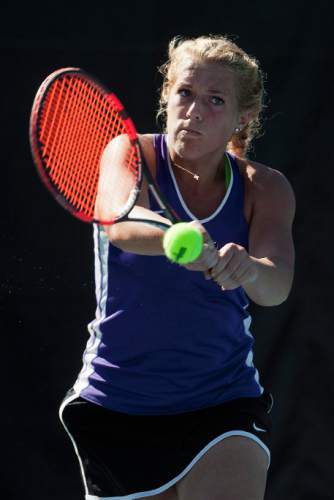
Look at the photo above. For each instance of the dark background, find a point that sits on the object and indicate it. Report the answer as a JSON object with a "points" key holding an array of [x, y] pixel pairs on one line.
{"points": [[47, 290]]}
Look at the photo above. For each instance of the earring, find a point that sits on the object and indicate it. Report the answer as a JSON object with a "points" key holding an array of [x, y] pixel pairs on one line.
{"points": [[237, 130]]}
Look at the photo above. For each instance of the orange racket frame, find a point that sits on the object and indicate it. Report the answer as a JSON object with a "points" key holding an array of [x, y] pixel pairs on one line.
{"points": [[54, 106]]}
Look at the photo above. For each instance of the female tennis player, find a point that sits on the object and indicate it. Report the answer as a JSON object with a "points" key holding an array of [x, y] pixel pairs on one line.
{"points": [[168, 404]]}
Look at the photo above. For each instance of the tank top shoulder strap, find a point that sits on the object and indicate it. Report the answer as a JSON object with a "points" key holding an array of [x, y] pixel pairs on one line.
{"points": [[161, 155], [236, 177]]}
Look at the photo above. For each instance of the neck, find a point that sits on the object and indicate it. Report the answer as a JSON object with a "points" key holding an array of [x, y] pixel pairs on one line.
{"points": [[199, 174]]}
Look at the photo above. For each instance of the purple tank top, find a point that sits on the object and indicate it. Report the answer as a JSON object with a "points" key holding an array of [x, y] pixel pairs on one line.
{"points": [[165, 340]]}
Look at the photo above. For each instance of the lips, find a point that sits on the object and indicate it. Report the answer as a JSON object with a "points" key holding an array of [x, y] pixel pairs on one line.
{"points": [[190, 131]]}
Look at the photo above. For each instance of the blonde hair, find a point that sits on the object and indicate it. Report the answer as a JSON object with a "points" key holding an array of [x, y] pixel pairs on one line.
{"points": [[249, 77]]}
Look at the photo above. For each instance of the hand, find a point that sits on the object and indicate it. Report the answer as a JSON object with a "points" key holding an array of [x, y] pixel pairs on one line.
{"points": [[234, 267], [209, 256]]}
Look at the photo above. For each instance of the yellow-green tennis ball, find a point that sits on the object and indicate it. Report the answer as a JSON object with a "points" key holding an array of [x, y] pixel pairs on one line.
{"points": [[182, 243]]}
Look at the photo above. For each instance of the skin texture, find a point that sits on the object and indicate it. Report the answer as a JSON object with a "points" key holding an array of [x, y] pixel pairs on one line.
{"points": [[234, 469], [202, 115]]}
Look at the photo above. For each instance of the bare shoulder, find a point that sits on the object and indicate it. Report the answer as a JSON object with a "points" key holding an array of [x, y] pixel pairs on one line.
{"points": [[119, 146], [261, 176], [146, 139], [266, 187], [146, 142]]}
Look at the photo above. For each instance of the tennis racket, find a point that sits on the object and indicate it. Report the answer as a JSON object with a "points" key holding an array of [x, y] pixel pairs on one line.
{"points": [[73, 119]]}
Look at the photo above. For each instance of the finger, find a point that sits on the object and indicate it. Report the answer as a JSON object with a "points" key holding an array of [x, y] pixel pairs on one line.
{"points": [[207, 259], [210, 253], [226, 254], [229, 285], [206, 236], [227, 268], [246, 274]]}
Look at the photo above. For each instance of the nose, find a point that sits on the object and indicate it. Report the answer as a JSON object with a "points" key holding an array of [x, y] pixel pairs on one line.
{"points": [[194, 111]]}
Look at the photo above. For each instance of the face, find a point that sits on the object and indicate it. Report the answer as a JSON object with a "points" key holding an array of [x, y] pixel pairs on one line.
{"points": [[202, 110]]}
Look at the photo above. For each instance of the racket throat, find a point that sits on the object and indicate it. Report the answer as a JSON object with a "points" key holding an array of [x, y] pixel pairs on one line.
{"points": [[162, 205]]}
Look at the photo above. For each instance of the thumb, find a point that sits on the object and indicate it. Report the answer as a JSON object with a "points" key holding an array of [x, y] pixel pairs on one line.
{"points": [[206, 236]]}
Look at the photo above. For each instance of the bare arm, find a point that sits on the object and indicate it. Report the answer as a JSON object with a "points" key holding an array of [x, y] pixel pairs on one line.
{"points": [[266, 271], [115, 184], [270, 242], [134, 237]]}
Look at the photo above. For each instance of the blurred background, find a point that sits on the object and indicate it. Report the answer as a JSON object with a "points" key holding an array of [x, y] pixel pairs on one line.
{"points": [[47, 289]]}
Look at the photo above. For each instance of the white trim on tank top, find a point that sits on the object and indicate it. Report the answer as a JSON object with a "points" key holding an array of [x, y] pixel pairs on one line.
{"points": [[183, 203], [101, 250]]}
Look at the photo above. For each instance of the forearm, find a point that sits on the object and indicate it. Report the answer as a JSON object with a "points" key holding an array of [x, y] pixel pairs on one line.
{"points": [[272, 283], [138, 237]]}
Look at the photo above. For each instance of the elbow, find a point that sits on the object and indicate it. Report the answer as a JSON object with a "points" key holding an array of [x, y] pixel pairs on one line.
{"points": [[270, 301], [115, 235], [267, 299], [273, 292]]}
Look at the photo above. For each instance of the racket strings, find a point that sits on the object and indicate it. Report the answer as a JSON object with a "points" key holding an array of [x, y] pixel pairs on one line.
{"points": [[82, 123], [70, 132]]}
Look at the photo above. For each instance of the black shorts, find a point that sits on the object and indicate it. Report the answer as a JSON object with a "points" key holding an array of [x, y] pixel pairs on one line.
{"points": [[133, 456]]}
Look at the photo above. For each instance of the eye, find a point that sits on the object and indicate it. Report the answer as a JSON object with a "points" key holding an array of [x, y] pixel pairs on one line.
{"points": [[217, 101], [184, 92]]}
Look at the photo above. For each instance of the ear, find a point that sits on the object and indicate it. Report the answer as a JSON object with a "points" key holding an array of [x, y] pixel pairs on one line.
{"points": [[244, 118]]}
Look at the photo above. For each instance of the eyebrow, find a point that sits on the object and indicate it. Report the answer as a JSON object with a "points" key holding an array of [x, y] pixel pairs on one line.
{"points": [[211, 90], [216, 91]]}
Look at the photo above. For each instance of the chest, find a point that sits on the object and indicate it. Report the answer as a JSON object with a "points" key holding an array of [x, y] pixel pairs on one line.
{"points": [[202, 205]]}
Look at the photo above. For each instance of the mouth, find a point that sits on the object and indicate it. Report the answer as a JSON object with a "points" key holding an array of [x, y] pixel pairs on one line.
{"points": [[190, 132]]}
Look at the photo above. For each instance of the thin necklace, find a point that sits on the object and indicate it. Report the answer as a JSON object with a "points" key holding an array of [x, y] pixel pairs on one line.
{"points": [[195, 176]]}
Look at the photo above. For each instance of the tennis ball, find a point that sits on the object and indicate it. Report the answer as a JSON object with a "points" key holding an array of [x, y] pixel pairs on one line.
{"points": [[182, 243]]}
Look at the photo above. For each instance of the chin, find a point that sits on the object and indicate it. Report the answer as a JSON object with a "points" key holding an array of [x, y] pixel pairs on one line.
{"points": [[187, 153], [186, 149]]}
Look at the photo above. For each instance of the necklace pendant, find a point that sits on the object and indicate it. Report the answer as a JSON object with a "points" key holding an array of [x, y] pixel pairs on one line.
{"points": [[195, 176]]}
